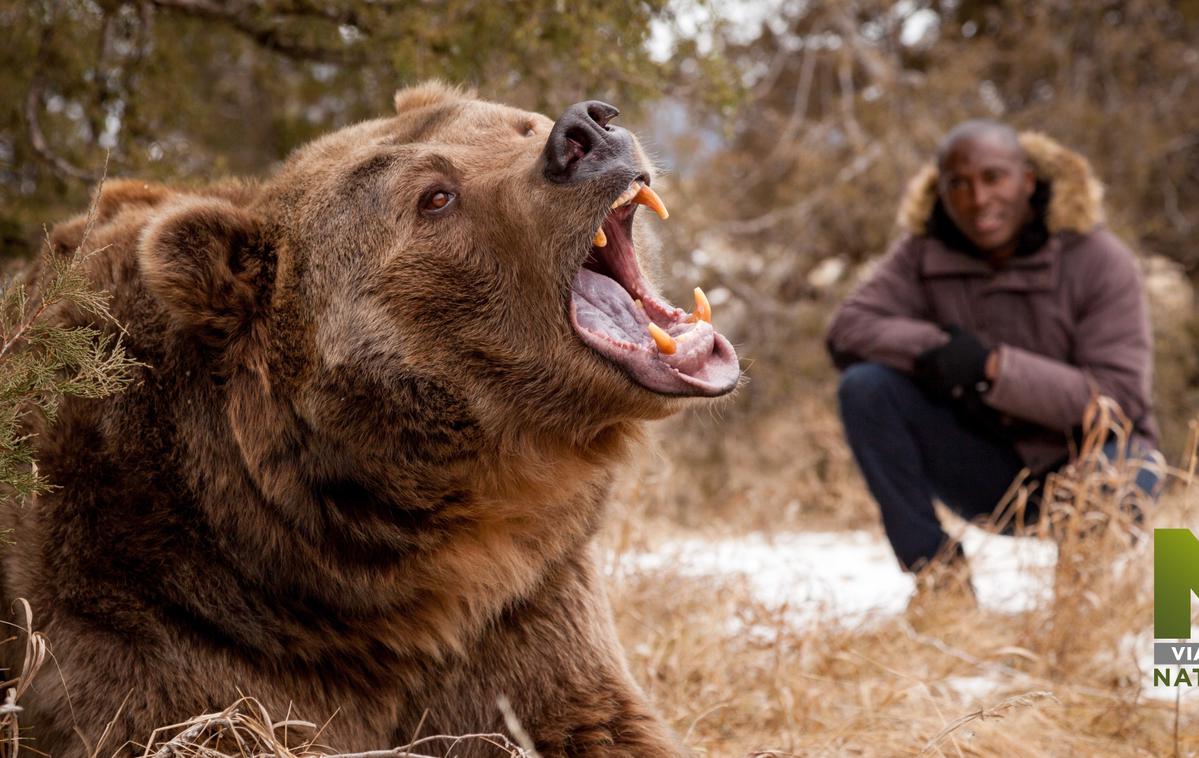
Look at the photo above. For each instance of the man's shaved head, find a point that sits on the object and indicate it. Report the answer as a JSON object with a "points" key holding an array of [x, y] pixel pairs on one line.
{"points": [[980, 130], [985, 184]]}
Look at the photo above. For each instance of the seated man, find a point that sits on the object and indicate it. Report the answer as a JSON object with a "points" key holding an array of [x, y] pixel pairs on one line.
{"points": [[975, 347]]}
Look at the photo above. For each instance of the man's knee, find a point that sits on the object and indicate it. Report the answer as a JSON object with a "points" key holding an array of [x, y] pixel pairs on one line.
{"points": [[867, 388], [1140, 457]]}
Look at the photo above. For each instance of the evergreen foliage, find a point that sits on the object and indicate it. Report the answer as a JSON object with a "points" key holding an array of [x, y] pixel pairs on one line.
{"points": [[195, 90], [41, 362]]}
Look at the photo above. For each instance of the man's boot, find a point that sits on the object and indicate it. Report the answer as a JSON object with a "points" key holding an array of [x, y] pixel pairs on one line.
{"points": [[943, 589]]}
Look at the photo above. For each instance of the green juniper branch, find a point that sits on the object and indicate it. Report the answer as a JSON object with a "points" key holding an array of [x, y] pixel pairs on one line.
{"points": [[42, 362]]}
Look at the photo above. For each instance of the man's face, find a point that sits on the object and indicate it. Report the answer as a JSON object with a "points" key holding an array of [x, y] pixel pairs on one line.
{"points": [[985, 186]]}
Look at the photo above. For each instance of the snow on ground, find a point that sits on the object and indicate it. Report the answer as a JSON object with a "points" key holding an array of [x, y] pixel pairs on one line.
{"points": [[852, 579]]}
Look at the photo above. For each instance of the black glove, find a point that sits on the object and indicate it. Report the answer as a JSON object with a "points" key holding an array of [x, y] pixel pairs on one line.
{"points": [[956, 373], [955, 369]]}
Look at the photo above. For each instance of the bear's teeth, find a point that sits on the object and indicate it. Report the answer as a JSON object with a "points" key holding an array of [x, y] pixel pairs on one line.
{"points": [[600, 239], [630, 193], [647, 196], [666, 344], [703, 309]]}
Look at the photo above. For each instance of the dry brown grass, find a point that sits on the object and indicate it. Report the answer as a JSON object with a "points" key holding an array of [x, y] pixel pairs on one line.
{"points": [[1065, 677], [35, 656], [1065, 680], [245, 729]]}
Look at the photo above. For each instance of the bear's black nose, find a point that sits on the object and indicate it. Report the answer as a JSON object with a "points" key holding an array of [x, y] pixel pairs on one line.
{"points": [[583, 146]]}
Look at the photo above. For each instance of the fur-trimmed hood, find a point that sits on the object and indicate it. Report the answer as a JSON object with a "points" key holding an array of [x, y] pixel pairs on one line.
{"points": [[1076, 203]]}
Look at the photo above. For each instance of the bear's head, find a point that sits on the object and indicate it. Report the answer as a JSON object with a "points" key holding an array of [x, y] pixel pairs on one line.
{"points": [[429, 280]]}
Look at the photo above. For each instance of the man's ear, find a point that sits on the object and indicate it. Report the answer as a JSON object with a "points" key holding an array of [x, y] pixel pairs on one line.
{"points": [[206, 261], [1030, 180]]}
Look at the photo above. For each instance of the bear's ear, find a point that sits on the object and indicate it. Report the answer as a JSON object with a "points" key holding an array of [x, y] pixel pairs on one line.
{"points": [[432, 92], [120, 194], [206, 261]]}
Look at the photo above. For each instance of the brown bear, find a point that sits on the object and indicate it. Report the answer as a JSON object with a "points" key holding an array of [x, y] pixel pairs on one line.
{"points": [[361, 472]]}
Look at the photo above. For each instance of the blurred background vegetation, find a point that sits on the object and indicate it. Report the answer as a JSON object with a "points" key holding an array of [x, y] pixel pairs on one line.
{"points": [[786, 130]]}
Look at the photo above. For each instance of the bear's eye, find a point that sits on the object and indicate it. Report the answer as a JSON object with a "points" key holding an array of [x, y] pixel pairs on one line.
{"points": [[437, 201], [529, 130]]}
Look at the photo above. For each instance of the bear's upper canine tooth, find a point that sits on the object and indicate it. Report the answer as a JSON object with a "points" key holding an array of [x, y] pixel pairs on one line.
{"points": [[647, 196], [600, 239]]}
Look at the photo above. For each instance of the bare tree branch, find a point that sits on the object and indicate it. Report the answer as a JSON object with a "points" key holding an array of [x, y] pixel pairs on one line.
{"points": [[140, 43], [33, 129], [344, 16], [95, 114], [877, 67], [269, 38], [38, 142], [845, 78]]}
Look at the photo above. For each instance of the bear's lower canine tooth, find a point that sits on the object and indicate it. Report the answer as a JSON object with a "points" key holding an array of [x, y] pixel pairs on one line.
{"points": [[703, 309], [600, 238], [647, 196], [666, 344]]}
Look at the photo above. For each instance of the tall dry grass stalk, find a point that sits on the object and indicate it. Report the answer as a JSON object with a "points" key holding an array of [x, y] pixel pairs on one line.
{"points": [[1094, 511], [37, 652]]}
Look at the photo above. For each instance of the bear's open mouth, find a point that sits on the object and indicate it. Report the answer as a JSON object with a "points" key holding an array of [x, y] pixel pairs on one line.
{"points": [[617, 312]]}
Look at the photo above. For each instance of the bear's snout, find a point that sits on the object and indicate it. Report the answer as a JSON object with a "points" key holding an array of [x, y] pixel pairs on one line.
{"points": [[583, 146]]}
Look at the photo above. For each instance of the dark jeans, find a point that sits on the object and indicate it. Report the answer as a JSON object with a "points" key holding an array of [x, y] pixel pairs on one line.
{"points": [[911, 449]]}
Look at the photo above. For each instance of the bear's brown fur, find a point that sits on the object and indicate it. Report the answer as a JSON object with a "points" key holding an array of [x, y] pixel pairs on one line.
{"points": [[360, 475]]}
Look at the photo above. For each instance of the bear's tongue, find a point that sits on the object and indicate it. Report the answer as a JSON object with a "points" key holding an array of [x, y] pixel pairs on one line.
{"points": [[617, 313]]}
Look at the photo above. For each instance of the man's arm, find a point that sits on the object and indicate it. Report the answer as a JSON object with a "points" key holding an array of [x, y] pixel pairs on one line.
{"points": [[1113, 351], [886, 320]]}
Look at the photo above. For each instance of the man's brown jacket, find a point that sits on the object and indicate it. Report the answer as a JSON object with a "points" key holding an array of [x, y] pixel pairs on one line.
{"points": [[1069, 320]]}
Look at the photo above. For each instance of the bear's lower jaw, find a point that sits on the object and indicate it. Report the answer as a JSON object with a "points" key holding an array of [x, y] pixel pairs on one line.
{"points": [[618, 314], [609, 321]]}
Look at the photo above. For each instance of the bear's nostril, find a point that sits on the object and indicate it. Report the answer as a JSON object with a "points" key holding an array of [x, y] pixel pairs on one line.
{"points": [[602, 113], [578, 144], [582, 132]]}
